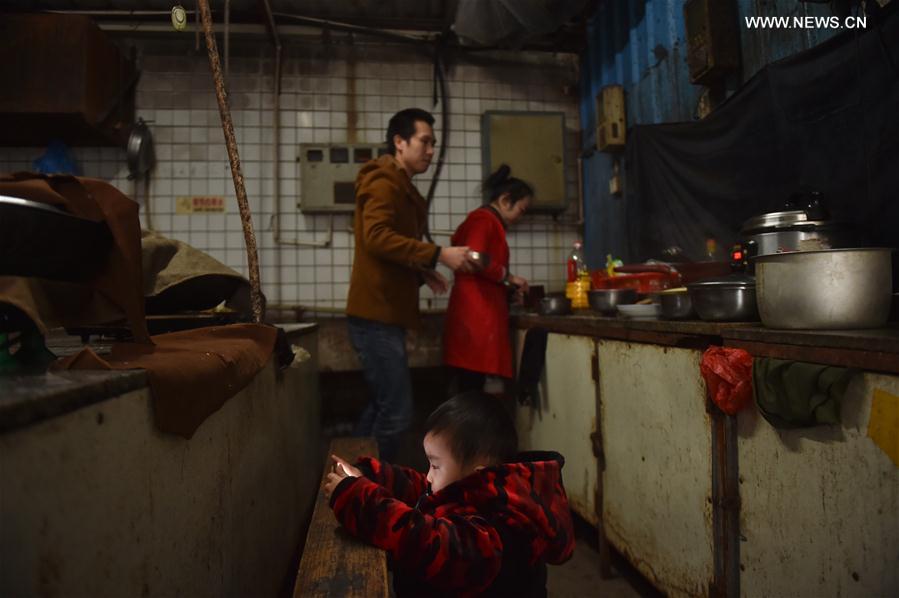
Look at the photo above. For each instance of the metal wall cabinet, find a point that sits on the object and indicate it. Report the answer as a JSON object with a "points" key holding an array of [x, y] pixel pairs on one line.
{"points": [[566, 417], [532, 144], [819, 506], [657, 482]]}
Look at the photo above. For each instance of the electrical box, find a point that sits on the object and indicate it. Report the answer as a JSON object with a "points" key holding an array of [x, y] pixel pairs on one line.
{"points": [[328, 174], [713, 39], [611, 125], [533, 145]]}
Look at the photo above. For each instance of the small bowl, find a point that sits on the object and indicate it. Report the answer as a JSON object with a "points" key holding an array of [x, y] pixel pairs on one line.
{"points": [[554, 305], [727, 299], [677, 305], [606, 301], [480, 258], [641, 311]]}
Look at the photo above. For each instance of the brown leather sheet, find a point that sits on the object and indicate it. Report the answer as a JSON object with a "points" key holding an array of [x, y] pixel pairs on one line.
{"points": [[191, 373], [54, 303]]}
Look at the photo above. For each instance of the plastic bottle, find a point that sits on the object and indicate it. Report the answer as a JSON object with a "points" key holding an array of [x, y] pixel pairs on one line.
{"points": [[577, 267]]}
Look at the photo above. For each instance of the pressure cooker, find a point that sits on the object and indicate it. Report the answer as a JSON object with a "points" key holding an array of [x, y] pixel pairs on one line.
{"points": [[804, 225]]}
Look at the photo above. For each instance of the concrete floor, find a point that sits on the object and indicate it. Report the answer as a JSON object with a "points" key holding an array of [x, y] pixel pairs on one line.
{"points": [[579, 577]]}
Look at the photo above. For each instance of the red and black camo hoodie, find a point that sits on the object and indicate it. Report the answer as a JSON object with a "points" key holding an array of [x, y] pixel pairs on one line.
{"points": [[489, 534]]}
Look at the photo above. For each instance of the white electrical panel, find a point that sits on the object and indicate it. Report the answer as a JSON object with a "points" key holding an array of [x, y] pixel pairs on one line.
{"points": [[328, 174]]}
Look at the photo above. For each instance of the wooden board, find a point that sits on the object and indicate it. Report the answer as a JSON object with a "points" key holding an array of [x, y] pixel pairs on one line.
{"points": [[335, 563]]}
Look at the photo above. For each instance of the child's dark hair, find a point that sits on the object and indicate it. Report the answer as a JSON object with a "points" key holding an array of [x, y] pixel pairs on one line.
{"points": [[403, 124], [475, 425], [500, 182]]}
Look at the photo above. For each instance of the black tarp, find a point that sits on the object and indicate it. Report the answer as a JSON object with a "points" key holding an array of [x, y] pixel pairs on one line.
{"points": [[826, 119]]}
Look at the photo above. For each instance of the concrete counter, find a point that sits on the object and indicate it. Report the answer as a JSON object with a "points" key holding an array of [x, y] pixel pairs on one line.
{"points": [[873, 350], [30, 397], [706, 504], [97, 502]]}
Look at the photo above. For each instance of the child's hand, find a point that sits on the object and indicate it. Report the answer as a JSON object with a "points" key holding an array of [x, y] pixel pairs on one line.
{"points": [[339, 470], [344, 468], [331, 483]]}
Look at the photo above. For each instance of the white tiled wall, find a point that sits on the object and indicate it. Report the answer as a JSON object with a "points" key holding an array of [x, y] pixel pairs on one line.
{"points": [[323, 89]]}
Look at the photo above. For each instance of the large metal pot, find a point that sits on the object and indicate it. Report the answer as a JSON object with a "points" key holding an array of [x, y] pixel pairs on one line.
{"points": [[727, 299], [825, 290]]}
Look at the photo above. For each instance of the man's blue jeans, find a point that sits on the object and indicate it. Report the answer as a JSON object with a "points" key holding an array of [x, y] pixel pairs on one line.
{"points": [[381, 349]]}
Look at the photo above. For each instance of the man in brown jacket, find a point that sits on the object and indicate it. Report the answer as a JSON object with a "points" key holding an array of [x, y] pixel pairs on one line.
{"points": [[389, 265]]}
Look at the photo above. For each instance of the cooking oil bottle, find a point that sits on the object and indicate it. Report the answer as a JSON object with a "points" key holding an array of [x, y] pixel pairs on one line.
{"points": [[578, 277]]}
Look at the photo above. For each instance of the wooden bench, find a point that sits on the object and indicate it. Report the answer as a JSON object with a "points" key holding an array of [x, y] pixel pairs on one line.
{"points": [[333, 562]]}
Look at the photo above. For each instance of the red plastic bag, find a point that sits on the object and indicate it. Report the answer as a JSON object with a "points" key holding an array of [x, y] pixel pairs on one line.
{"points": [[728, 377]]}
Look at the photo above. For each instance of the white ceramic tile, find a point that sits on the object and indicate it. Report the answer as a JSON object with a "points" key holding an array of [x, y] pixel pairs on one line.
{"points": [[192, 159]]}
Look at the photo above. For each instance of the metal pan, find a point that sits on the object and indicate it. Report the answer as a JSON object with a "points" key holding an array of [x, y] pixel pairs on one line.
{"points": [[40, 240]]}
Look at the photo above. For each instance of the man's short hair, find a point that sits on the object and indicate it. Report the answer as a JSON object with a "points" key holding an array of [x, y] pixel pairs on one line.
{"points": [[403, 124], [475, 425]]}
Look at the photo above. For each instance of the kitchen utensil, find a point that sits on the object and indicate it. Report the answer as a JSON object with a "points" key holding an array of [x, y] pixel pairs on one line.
{"points": [[646, 311], [808, 228], [606, 301], [40, 240], [554, 304], [139, 151], [676, 304], [480, 258], [832, 289], [726, 299]]}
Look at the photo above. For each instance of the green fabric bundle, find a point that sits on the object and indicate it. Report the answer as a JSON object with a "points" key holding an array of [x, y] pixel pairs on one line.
{"points": [[792, 394]]}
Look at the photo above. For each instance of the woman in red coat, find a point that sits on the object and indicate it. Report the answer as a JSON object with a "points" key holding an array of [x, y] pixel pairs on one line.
{"points": [[476, 335]]}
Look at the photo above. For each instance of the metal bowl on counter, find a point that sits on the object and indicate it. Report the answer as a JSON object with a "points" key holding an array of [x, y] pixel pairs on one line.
{"points": [[836, 289], [606, 301], [676, 304], [554, 304], [726, 299]]}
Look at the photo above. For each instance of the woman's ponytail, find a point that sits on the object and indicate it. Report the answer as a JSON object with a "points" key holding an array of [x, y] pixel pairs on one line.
{"points": [[500, 182]]}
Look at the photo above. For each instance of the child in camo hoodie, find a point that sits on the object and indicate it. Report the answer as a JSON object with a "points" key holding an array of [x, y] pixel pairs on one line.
{"points": [[478, 524]]}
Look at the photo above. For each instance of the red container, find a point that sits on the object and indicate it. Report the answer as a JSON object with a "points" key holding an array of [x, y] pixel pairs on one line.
{"points": [[642, 282]]}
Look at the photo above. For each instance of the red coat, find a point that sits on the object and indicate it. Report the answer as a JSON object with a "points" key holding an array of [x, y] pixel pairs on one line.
{"points": [[490, 533], [476, 334]]}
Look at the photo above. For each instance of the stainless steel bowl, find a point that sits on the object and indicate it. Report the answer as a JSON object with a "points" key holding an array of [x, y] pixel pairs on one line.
{"points": [[606, 301], [825, 290], [480, 258], [677, 306], [727, 299], [554, 305]]}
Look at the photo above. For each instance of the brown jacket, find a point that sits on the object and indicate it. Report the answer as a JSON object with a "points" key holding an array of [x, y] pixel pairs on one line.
{"points": [[389, 221]]}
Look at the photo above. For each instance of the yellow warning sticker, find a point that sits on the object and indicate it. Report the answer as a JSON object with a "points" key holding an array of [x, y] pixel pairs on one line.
{"points": [[198, 204], [883, 426]]}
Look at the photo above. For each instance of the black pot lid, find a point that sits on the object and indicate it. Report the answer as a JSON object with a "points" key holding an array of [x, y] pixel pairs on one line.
{"points": [[736, 280]]}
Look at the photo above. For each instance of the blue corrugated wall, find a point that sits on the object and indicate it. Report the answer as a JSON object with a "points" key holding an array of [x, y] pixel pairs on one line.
{"points": [[640, 44]]}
